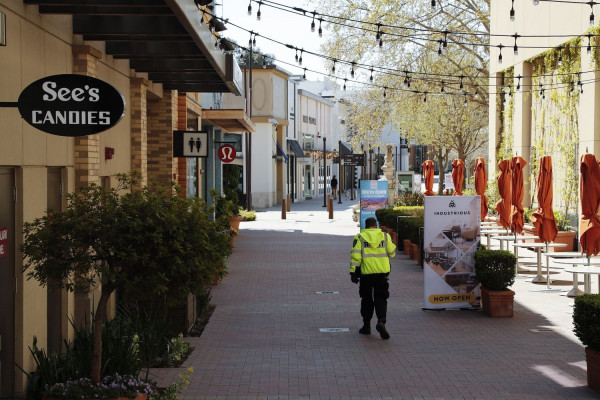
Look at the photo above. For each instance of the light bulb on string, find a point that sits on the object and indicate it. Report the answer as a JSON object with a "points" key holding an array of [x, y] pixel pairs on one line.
{"points": [[589, 46], [406, 79], [476, 91], [296, 54], [304, 75], [258, 13], [518, 83], [591, 3], [440, 47], [442, 88], [345, 80], [300, 59], [425, 97], [465, 99], [333, 67], [509, 91], [352, 69], [512, 11], [320, 29], [445, 42], [536, 2], [384, 91], [461, 87], [371, 77], [433, 5], [312, 24], [516, 48], [250, 8], [381, 40], [500, 55], [254, 41]]}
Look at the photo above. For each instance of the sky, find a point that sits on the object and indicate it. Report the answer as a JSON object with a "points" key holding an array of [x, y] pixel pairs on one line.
{"points": [[279, 25]]}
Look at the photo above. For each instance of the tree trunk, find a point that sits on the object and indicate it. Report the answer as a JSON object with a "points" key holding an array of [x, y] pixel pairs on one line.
{"points": [[99, 316]]}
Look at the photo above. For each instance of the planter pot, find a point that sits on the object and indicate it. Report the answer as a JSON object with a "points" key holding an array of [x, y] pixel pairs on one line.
{"points": [[417, 253], [497, 303], [394, 238], [593, 368], [234, 222], [566, 237], [407, 246]]}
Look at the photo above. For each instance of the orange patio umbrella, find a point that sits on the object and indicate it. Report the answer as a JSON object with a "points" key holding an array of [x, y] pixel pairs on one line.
{"points": [[505, 191], [543, 217], [458, 176], [517, 220], [428, 171], [481, 184], [589, 193]]}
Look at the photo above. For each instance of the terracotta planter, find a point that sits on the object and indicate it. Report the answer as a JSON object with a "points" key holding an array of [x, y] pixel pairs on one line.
{"points": [[417, 253], [407, 246], [234, 222], [497, 303], [394, 238], [593, 368], [566, 237]]}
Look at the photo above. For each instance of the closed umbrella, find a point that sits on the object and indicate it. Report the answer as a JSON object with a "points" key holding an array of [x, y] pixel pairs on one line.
{"points": [[505, 191], [481, 184], [543, 217], [428, 171], [589, 193], [517, 220], [458, 176]]}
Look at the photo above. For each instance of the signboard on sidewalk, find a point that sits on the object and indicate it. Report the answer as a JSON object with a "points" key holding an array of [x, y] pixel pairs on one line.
{"points": [[373, 196], [451, 238], [353, 159], [190, 144]]}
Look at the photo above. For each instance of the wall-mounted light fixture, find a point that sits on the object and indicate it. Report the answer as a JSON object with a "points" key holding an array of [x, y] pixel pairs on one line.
{"points": [[2, 29]]}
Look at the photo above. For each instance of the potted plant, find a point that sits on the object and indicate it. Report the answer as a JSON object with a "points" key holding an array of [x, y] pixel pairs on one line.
{"points": [[228, 208], [495, 270], [586, 321], [565, 234]]}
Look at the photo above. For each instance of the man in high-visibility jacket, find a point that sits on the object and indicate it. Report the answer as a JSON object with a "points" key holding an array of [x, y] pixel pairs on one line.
{"points": [[370, 264]]}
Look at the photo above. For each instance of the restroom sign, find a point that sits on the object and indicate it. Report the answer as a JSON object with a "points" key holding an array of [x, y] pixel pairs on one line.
{"points": [[190, 144], [226, 153], [3, 242]]}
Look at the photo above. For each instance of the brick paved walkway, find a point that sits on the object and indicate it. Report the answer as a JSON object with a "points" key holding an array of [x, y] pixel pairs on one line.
{"points": [[264, 340]]}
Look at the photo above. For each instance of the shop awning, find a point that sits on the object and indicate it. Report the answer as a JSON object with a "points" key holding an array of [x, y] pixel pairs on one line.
{"points": [[281, 152], [170, 40], [296, 148], [345, 149], [229, 120]]}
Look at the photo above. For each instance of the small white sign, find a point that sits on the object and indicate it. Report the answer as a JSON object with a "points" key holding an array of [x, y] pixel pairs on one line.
{"points": [[195, 144], [448, 182], [334, 329]]}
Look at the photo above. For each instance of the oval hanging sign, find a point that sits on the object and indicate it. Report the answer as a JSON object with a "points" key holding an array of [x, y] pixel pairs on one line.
{"points": [[71, 105]]}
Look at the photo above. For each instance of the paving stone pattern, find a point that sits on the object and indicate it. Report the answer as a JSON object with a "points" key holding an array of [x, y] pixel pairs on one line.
{"points": [[264, 341]]}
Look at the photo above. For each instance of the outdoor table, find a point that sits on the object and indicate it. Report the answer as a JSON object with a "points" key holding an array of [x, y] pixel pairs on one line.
{"points": [[556, 254], [489, 232], [585, 266], [538, 248], [508, 238]]}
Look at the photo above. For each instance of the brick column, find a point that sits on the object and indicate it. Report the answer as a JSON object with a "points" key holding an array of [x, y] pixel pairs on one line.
{"points": [[162, 121], [139, 127], [87, 148]]}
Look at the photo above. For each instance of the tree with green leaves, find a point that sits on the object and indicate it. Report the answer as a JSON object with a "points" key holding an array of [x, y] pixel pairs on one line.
{"points": [[145, 241], [432, 66]]}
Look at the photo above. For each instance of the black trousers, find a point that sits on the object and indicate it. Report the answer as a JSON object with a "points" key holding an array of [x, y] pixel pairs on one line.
{"points": [[374, 292]]}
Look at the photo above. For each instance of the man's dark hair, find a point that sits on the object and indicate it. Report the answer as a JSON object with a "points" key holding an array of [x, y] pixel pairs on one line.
{"points": [[371, 223]]}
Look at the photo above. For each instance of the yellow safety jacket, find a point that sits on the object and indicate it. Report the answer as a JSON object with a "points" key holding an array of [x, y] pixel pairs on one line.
{"points": [[371, 250]]}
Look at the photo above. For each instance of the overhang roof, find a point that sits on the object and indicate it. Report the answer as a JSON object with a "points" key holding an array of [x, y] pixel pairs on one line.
{"points": [[229, 120], [168, 39]]}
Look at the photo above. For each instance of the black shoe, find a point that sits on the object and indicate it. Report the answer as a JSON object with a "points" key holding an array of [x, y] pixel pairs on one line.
{"points": [[366, 329], [382, 331]]}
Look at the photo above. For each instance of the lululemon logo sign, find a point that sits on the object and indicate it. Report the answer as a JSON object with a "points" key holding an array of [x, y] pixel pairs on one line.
{"points": [[71, 105], [226, 153]]}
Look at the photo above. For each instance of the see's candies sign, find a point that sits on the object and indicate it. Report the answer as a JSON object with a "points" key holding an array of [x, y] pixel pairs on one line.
{"points": [[3, 242], [71, 105]]}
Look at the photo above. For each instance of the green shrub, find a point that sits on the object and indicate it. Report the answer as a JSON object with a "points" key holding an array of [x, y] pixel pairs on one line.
{"points": [[586, 320], [248, 215], [495, 269], [173, 391], [409, 198]]}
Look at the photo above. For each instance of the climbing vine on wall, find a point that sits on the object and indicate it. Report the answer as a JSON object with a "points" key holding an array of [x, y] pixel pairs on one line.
{"points": [[506, 103], [555, 117]]}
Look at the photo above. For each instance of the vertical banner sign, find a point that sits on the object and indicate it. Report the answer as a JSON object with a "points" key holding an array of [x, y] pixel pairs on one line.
{"points": [[451, 239], [3, 242], [373, 196]]}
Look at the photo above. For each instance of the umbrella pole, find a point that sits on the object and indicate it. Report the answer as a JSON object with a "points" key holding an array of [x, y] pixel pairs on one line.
{"points": [[547, 268]]}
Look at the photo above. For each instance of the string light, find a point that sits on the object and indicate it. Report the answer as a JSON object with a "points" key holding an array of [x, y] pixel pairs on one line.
{"points": [[559, 56], [465, 99], [461, 87], [384, 93], [442, 88], [300, 59], [518, 83], [371, 77], [250, 8], [320, 29], [516, 48], [258, 13], [536, 2], [352, 69], [500, 55], [440, 47], [345, 80], [512, 11], [333, 67], [312, 24], [591, 3], [432, 5], [424, 97], [406, 80], [304, 75]]}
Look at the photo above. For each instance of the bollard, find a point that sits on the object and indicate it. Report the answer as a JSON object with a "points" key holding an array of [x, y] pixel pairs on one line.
{"points": [[330, 208], [283, 209], [288, 202]]}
